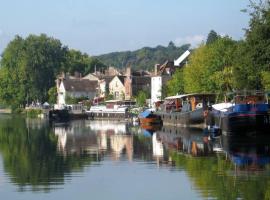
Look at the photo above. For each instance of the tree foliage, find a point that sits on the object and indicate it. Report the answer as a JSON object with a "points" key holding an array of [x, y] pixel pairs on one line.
{"points": [[254, 53], [210, 67], [29, 68], [176, 84], [212, 37], [141, 98]]}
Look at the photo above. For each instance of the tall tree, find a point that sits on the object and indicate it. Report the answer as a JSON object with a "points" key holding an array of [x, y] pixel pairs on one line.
{"points": [[210, 67], [176, 84], [253, 61], [29, 67], [212, 37]]}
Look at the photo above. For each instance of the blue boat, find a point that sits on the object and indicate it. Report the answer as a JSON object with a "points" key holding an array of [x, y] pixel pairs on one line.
{"points": [[248, 113]]}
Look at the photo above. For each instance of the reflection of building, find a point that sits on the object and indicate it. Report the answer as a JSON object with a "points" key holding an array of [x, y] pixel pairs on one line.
{"points": [[119, 143], [97, 137], [157, 146], [108, 127]]}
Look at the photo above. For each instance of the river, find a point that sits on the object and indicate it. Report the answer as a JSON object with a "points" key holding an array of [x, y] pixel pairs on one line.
{"points": [[115, 160]]}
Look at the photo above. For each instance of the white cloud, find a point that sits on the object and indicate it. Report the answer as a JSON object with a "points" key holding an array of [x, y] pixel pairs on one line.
{"points": [[194, 40]]}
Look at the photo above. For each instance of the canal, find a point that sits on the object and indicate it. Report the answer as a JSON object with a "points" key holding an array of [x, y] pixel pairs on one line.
{"points": [[113, 160]]}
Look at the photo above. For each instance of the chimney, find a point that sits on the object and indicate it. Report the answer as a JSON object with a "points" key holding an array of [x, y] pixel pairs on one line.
{"points": [[128, 71], [157, 68]]}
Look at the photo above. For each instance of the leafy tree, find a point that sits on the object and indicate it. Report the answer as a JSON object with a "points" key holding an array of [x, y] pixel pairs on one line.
{"points": [[82, 63], [176, 84], [28, 69], [212, 37], [254, 53], [52, 95], [210, 67], [141, 98]]}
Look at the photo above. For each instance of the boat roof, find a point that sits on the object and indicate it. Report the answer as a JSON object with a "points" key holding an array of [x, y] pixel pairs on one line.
{"points": [[188, 95], [122, 101]]}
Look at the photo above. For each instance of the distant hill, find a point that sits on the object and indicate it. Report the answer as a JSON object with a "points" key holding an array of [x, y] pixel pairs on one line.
{"points": [[144, 58]]}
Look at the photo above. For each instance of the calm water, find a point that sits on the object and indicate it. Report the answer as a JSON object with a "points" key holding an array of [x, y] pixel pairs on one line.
{"points": [[106, 160]]}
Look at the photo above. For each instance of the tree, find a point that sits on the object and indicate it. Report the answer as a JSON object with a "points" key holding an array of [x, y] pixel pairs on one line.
{"points": [[82, 63], [254, 53], [212, 37], [141, 98], [29, 67], [52, 95], [176, 84], [210, 67]]}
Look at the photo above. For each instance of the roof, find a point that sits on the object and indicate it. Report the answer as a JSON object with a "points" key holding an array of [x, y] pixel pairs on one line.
{"points": [[187, 95], [122, 79], [145, 114], [80, 85], [141, 80]]}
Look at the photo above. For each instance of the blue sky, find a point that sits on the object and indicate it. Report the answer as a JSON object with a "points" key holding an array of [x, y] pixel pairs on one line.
{"points": [[103, 26]]}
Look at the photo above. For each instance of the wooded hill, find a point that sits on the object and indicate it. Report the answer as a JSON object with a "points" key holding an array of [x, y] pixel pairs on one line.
{"points": [[144, 58]]}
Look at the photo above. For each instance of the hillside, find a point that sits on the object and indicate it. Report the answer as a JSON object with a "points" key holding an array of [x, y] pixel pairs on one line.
{"points": [[144, 58]]}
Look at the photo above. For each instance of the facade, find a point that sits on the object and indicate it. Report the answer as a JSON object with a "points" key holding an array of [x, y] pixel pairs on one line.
{"points": [[75, 88], [135, 82], [162, 74], [117, 88]]}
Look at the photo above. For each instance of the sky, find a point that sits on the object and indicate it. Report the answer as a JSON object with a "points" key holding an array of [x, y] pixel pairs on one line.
{"points": [[103, 26]]}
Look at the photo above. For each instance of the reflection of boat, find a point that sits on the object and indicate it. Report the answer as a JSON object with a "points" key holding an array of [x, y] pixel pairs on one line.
{"points": [[114, 109], [186, 140], [248, 154], [59, 116], [248, 113], [147, 117], [151, 127], [185, 110]]}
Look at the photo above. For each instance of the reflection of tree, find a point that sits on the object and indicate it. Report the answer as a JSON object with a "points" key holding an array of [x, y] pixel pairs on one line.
{"points": [[30, 155], [212, 177]]}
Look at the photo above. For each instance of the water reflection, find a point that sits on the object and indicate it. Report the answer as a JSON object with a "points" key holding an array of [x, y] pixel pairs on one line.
{"points": [[38, 157], [227, 167], [248, 154], [30, 155]]}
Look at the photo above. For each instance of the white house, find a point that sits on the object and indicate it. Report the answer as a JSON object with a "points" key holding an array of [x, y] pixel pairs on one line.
{"points": [[163, 73], [75, 88], [156, 87]]}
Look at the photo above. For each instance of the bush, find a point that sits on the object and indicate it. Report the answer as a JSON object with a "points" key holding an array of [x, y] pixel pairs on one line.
{"points": [[33, 113]]}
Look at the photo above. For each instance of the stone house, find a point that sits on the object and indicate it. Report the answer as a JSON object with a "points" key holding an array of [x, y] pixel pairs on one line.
{"points": [[117, 87]]}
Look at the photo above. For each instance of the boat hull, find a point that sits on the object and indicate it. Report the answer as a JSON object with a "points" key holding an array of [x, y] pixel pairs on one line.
{"points": [[152, 120], [192, 118], [242, 123]]}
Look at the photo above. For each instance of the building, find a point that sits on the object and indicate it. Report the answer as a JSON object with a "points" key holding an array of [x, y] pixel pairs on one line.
{"points": [[75, 88], [117, 87], [163, 73], [135, 82]]}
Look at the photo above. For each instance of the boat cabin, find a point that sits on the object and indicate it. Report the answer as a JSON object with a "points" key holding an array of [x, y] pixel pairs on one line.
{"points": [[119, 103], [250, 99], [188, 102]]}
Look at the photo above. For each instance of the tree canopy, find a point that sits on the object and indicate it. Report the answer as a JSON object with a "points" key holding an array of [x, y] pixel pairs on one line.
{"points": [[29, 68]]}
